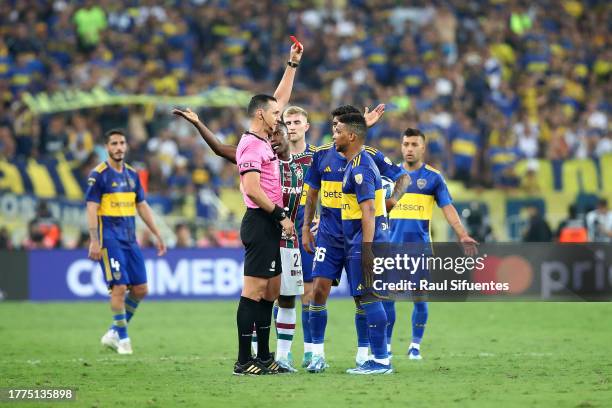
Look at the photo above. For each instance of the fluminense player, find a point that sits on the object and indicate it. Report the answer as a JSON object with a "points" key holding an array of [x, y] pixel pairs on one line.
{"points": [[114, 197], [326, 174], [296, 120], [410, 219], [363, 223]]}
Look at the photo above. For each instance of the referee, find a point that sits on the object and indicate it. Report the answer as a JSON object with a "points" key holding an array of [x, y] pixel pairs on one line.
{"points": [[263, 224]]}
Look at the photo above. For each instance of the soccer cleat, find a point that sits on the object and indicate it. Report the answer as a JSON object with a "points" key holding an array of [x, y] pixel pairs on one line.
{"points": [[110, 339], [124, 347], [414, 353], [274, 367], [317, 365], [307, 359], [361, 361], [286, 364], [251, 367], [371, 367]]}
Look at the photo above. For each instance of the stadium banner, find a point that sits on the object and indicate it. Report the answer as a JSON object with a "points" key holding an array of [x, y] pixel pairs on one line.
{"points": [[66, 212], [491, 271], [13, 275], [208, 273], [74, 99]]}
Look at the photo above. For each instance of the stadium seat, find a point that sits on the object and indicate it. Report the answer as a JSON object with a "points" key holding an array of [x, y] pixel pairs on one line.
{"points": [[545, 173], [10, 178], [605, 165], [579, 176]]}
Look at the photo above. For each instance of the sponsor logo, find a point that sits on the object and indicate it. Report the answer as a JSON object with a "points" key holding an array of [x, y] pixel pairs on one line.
{"points": [[332, 194], [410, 207], [327, 170]]}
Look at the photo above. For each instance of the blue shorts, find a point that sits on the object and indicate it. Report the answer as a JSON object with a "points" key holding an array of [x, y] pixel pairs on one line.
{"points": [[328, 259], [122, 264], [354, 274]]}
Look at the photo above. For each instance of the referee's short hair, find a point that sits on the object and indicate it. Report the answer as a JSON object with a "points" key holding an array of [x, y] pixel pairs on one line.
{"points": [[111, 132], [344, 109], [259, 101], [413, 132], [356, 124]]}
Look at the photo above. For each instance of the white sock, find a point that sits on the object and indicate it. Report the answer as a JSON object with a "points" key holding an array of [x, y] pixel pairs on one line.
{"points": [[307, 347], [285, 327], [317, 350], [362, 353], [384, 361], [254, 342], [388, 347], [414, 346]]}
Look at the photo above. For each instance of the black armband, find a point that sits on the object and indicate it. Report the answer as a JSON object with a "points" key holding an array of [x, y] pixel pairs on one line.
{"points": [[293, 64]]}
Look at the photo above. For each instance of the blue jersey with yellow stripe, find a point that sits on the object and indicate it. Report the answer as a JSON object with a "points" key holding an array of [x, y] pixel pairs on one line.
{"points": [[326, 174], [410, 219], [117, 193], [362, 182]]}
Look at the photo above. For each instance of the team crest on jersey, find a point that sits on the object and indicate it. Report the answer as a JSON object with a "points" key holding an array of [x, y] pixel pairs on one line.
{"points": [[421, 183], [131, 182], [91, 181], [299, 173], [117, 275], [358, 178]]}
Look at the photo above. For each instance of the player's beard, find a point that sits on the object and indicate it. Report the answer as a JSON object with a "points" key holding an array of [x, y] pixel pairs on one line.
{"points": [[117, 157]]}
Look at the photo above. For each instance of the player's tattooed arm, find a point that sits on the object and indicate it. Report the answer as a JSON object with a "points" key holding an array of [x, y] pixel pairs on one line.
{"points": [[401, 184], [226, 151], [95, 252], [312, 195]]}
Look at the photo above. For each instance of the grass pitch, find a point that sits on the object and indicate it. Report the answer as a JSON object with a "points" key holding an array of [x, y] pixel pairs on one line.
{"points": [[475, 355]]}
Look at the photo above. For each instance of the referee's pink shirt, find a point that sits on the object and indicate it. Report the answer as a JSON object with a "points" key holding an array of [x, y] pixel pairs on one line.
{"points": [[256, 154]]}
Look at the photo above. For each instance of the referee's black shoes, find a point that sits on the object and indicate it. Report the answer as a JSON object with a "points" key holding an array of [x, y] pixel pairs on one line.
{"points": [[256, 366], [251, 367]]}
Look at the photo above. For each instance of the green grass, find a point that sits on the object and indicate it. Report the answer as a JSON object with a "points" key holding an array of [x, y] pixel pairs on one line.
{"points": [[476, 354]]}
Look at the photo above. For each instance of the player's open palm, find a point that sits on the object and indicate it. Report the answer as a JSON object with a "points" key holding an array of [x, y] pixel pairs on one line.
{"points": [[371, 117], [188, 114], [95, 252]]}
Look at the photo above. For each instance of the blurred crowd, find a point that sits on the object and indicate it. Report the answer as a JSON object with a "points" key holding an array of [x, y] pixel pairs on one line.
{"points": [[489, 82]]}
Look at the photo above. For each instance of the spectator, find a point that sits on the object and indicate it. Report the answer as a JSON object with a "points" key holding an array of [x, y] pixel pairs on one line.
{"points": [[183, 236], [599, 222], [538, 229]]}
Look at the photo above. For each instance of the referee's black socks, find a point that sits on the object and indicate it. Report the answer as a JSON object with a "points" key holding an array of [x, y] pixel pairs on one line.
{"points": [[262, 323], [246, 316]]}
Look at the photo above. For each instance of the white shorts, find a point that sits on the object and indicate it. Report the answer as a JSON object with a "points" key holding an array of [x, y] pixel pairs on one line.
{"points": [[292, 279]]}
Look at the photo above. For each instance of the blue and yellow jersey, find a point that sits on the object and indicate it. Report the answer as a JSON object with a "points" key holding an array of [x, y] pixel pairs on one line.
{"points": [[117, 193], [362, 182], [410, 219], [305, 160], [326, 174]]}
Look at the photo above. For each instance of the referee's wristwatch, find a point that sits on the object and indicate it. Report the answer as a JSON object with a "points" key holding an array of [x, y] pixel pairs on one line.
{"points": [[279, 213], [293, 64]]}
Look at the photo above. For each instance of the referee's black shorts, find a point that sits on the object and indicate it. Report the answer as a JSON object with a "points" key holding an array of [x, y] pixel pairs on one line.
{"points": [[260, 235]]}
